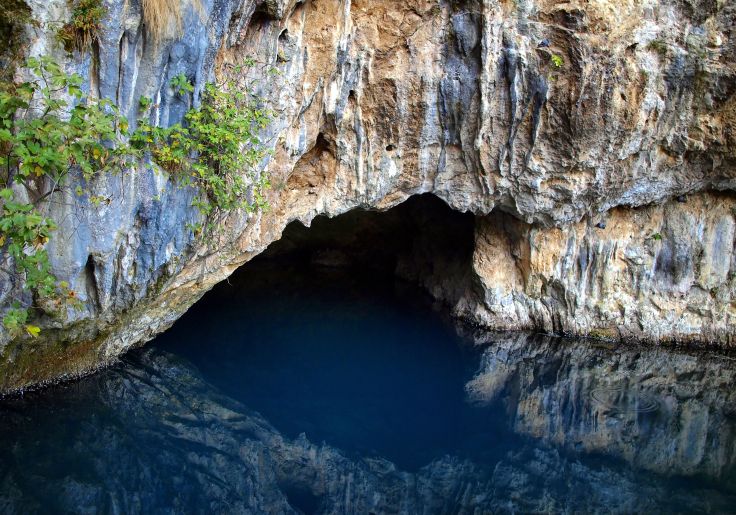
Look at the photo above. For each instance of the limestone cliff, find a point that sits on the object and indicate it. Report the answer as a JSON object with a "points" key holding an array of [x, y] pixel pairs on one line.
{"points": [[594, 141]]}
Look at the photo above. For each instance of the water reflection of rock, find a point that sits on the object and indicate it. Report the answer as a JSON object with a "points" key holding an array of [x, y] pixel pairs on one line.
{"points": [[670, 412], [153, 437]]}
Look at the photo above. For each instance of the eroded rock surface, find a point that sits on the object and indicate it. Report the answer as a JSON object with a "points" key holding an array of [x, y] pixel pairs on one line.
{"points": [[652, 273], [547, 120]]}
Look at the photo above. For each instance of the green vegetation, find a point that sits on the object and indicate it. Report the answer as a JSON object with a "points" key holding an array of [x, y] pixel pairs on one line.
{"points": [[82, 29], [40, 144], [557, 60], [659, 45], [44, 139], [207, 150], [181, 85], [144, 103]]}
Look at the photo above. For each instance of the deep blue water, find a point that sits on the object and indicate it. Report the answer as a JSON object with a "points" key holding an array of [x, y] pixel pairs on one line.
{"points": [[363, 364], [296, 389]]}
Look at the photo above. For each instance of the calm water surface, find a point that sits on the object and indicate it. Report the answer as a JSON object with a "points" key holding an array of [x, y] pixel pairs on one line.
{"points": [[308, 390]]}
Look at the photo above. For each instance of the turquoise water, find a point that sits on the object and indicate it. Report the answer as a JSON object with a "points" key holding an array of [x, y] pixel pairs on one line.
{"points": [[310, 390]]}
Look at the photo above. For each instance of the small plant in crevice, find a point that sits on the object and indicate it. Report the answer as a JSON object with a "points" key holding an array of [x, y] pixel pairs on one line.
{"points": [[82, 30], [144, 103], [557, 60], [181, 85], [660, 46]]}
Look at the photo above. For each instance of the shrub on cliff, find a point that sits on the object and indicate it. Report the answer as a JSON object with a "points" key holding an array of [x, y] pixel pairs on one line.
{"points": [[81, 31], [50, 129], [211, 148], [42, 138]]}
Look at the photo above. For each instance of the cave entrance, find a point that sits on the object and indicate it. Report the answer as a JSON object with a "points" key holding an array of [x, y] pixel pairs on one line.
{"points": [[422, 241], [325, 334]]}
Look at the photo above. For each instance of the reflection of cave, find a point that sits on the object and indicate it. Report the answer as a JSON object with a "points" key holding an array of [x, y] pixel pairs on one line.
{"points": [[422, 240]]}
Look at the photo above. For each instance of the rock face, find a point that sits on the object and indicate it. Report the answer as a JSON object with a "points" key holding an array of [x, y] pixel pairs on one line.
{"points": [[594, 141], [652, 273]]}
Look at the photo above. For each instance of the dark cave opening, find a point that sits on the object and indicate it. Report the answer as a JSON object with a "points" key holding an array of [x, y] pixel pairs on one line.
{"points": [[330, 332], [422, 241]]}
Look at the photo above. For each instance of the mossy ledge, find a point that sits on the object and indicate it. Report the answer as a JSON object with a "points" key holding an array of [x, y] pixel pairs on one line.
{"points": [[81, 348]]}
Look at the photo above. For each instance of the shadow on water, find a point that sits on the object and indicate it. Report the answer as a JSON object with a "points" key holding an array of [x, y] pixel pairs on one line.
{"points": [[309, 389]]}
